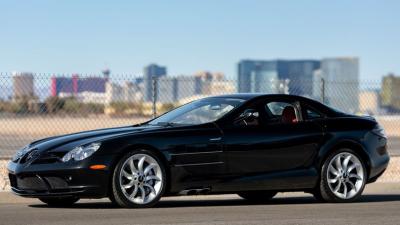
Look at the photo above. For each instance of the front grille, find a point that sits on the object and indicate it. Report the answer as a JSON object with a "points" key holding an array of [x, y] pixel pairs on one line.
{"points": [[35, 183], [31, 183], [57, 182]]}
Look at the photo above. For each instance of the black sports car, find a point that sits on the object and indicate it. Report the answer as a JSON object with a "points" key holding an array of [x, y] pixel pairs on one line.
{"points": [[254, 145]]}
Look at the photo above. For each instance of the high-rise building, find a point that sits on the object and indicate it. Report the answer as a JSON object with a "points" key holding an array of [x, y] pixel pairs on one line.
{"points": [[390, 93], [341, 83], [266, 76], [152, 71], [75, 84], [23, 85]]}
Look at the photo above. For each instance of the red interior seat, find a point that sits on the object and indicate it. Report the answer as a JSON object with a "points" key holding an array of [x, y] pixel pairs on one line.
{"points": [[289, 115]]}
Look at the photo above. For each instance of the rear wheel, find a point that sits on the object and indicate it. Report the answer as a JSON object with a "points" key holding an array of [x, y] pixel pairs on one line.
{"points": [[139, 180], [343, 176], [257, 196], [59, 201]]}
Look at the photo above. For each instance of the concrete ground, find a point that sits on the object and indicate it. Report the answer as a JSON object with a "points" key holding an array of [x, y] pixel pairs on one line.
{"points": [[380, 204]]}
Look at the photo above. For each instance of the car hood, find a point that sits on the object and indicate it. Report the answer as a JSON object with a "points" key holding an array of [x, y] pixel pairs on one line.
{"points": [[72, 140]]}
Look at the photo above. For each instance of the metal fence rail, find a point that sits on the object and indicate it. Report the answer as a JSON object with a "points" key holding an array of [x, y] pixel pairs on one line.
{"points": [[34, 106]]}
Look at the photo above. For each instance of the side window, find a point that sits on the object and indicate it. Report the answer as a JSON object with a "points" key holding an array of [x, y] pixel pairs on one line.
{"points": [[249, 117], [282, 112], [276, 108], [312, 114]]}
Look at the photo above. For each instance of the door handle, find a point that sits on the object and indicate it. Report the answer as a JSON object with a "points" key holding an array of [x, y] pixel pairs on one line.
{"points": [[216, 139]]}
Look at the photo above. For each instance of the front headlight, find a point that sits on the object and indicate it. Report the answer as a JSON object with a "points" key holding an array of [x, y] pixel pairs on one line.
{"points": [[81, 152], [21, 153]]}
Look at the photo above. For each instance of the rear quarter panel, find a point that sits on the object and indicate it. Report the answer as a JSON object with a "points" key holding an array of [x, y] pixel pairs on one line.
{"points": [[346, 131]]}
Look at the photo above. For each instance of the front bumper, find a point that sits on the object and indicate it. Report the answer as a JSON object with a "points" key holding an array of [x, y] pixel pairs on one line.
{"points": [[61, 179], [376, 147]]}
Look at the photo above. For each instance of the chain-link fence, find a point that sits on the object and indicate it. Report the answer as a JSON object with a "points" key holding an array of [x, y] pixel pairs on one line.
{"points": [[33, 106]]}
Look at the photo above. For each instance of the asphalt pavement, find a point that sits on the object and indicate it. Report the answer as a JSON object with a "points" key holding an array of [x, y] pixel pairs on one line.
{"points": [[379, 205]]}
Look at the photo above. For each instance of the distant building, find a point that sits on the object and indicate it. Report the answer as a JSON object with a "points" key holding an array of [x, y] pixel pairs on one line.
{"points": [[63, 85], [152, 71], [92, 97], [186, 87], [23, 85], [75, 84], [172, 89], [106, 73], [263, 75], [209, 76], [341, 83], [167, 89], [127, 92], [208, 83], [114, 93], [220, 87], [204, 81], [369, 102], [390, 93], [132, 92]]}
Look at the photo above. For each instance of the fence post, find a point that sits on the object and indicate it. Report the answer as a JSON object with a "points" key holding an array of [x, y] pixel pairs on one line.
{"points": [[154, 97], [322, 90]]}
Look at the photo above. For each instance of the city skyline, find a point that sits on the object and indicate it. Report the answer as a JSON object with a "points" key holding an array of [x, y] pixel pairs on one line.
{"points": [[74, 36], [341, 89]]}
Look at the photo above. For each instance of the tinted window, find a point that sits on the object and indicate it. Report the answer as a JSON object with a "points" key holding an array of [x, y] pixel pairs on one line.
{"points": [[276, 108], [282, 112], [311, 114]]}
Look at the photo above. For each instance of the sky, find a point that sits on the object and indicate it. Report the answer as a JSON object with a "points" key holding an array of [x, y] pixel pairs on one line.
{"points": [[72, 36]]}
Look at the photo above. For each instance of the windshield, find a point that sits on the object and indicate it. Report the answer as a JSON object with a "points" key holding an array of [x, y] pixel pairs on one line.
{"points": [[198, 112]]}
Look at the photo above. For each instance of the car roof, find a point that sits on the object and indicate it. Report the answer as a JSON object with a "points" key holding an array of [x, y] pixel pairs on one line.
{"points": [[314, 103], [249, 96]]}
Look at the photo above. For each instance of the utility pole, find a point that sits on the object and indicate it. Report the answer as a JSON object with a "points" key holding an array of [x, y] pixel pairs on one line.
{"points": [[322, 90], [154, 82]]}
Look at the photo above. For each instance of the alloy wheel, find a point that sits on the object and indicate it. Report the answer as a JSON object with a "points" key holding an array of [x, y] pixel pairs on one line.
{"points": [[141, 178], [345, 175]]}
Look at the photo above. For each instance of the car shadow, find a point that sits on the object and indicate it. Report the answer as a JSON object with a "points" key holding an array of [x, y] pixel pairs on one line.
{"points": [[226, 202]]}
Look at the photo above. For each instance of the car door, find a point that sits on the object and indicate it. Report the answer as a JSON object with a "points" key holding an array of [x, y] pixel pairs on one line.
{"points": [[269, 145]]}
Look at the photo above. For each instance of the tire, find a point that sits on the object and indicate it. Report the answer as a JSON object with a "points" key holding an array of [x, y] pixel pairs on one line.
{"points": [[139, 180], [59, 201], [342, 181], [257, 196], [317, 195]]}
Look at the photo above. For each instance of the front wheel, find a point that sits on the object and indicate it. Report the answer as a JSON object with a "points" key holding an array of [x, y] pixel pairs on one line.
{"points": [[257, 196], [343, 176], [139, 180], [59, 201]]}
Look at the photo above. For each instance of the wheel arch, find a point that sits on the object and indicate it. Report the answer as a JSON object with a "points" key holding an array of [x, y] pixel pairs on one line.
{"points": [[350, 144]]}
